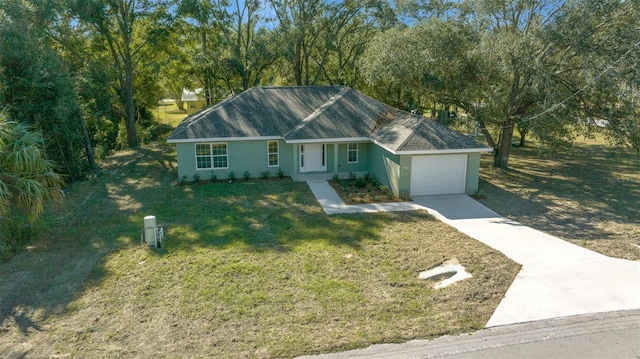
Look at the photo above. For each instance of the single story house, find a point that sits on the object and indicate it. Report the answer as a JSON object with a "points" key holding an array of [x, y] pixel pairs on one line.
{"points": [[193, 100], [322, 131]]}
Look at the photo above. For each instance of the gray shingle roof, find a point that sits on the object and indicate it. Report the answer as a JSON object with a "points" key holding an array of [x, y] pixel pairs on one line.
{"points": [[316, 113]]}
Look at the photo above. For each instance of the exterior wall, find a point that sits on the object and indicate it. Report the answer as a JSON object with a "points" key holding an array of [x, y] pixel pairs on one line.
{"points": [[385, 166], [242, 156], [336, 160], [361, 166], [473, 173], [194, 106], [404, 183]]}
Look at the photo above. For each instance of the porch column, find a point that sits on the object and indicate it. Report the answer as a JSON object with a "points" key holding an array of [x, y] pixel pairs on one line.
{"points": [[335, 158], [295, 169]]}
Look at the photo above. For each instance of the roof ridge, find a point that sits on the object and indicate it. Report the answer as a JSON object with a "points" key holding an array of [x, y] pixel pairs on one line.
{"points": [[276, 87], [319, 110]]}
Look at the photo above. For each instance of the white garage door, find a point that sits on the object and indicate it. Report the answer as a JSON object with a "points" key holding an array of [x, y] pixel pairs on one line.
{"points": [[438, 174]]}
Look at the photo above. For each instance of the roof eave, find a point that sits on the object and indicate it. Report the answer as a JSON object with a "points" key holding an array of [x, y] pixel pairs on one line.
{"points": [[224, 139], [327, 140], [443, 151]]}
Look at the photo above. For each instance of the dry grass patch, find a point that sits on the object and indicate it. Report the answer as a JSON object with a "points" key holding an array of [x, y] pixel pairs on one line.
{"points": [[250, 269], [588, 195]]}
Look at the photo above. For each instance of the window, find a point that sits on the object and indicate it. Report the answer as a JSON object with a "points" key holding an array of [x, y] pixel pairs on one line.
{"points": [[352, 153], [272, 150], [211, 155], [220, 157], [203, 156]]}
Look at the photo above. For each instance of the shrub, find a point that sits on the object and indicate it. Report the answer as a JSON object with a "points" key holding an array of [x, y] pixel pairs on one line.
{"points": [[246, 175], [374, 181], [404, 195], [214, 177], [183, 180], [479, 194], [265, 174], [384, 189], [352, 176], [361, 182], [335, 177], [16, 232], [232, 177], [280, 173], [196, 178]]}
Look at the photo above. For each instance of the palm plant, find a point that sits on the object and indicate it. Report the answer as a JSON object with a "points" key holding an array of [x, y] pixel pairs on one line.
{"points": [[27, 179]]}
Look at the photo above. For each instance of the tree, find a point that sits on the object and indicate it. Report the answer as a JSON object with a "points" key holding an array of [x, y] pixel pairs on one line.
{"points": [[310, 28], [127, 27], [40, 91], [27, 179], [532, 64], [251, 49], [208, 17]]}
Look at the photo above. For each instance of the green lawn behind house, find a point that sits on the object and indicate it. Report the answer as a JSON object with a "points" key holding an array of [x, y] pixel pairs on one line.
{"points": [[168, 113], [249, 269]]}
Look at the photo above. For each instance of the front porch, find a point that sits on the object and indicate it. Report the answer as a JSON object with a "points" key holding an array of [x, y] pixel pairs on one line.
{"points": [[320, 161]]}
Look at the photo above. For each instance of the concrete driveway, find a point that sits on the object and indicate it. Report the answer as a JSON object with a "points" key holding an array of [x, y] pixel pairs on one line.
{"points": [[557, 278]]}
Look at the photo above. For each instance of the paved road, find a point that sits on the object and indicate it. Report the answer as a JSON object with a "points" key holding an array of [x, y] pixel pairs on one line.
{"points": [[602, 335]]}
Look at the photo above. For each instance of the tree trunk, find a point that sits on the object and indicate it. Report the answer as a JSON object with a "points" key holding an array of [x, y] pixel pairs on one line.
{"points": [[207, 71], [88, 147], [523, 131], [501, 156], [129, 105], [522, 138]]}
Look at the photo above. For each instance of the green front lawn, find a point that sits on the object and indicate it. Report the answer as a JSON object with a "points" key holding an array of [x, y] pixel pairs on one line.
{"points": [[249, 269]]}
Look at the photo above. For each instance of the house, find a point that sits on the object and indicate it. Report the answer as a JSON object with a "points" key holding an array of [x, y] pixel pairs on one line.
{"points": [[322, 131], [193, 100]]}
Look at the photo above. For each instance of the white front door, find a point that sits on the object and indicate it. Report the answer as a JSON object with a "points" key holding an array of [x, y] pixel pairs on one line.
{"points": [[313, 158]]}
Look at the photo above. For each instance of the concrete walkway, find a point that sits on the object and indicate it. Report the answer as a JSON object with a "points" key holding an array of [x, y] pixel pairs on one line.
{"points": [[557, 278], [333, 204]]}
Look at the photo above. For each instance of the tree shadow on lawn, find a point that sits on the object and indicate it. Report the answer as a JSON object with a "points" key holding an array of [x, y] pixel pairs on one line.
{"points": [[104, 215], [571, 198], [100, 216], [541, 214]]}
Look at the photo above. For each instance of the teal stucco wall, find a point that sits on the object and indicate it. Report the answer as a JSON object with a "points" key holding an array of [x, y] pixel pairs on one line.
{"points": [[243, 156], [473, 173], [361, 166], [385, 166]]}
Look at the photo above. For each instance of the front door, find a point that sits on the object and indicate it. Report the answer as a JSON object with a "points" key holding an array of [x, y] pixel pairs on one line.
{"points": [[313, 158]]}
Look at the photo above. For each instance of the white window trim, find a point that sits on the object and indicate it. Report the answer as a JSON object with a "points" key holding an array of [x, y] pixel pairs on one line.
{"points": [[211, 155], [277, 153], [357, 150]]}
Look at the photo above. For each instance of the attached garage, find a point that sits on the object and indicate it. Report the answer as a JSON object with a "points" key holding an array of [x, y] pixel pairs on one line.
{"points": [[438, 174]]}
